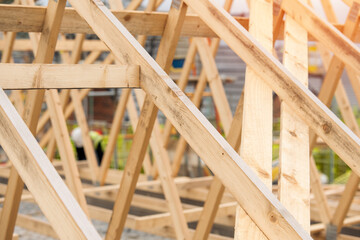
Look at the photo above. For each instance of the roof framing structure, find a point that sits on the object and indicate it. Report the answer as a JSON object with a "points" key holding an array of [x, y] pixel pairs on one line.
{"points": [[64, 204]]}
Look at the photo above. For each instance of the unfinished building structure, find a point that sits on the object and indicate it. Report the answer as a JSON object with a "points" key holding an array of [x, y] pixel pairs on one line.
{"points": [[240, 193]]}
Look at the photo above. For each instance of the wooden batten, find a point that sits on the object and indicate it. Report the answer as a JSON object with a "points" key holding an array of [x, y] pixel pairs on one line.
{"points": [[48, 76]]}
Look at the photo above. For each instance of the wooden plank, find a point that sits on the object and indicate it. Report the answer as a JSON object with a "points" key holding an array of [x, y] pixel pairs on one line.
{"points": [[80, 113], [257, 117], [182, 144], [204, 139], [113, 135], [162, 163], [215, 83], [350, 120], [45, 53], [327, 34], [301, 100], [168, 185], [316, 187], [49, 76], [85, 135], [66, 151], [83, 93], [182, 82], [35, 225], [294, 178], [140, 142], [216, 191], [29, 19], [117, 123], [196, 99], [134, 119], [9, 39], [61, 133], [49, 191], [347, 237], [68, 111], [61, 45]]}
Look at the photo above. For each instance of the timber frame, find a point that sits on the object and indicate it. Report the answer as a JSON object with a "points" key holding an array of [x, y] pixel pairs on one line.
{"points": [[240, 193]]}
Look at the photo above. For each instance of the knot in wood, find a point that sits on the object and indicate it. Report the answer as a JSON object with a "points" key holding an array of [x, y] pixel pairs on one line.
{"points": [[327, 127], [273, 217]]}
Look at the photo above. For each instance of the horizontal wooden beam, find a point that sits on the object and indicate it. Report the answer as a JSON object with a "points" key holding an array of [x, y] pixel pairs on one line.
{"points": [[61, 45], [39, 76], [30, 19]]}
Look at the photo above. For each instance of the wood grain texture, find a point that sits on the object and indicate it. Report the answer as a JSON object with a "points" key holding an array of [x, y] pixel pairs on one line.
{"points": [[190, 122], [327, 34], [257, 117], [48, 76], [294, 178], [33, 103], [303, 103]]}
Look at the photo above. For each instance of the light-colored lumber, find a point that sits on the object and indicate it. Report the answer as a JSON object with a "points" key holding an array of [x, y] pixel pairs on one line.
{"points": [[350, 120], [316, 187], [88, 144], [35, 225], [68, 111], [141, 139], [182, 82], [215, 83], [217, 189], [136, 22], [63, 141], [196, 99], [113, 136], [118, 118], [169, 187], [45, 53], [195, 128], [182, 144], [9, 39], [45, 116], [30, 19], [327, 34], [79, 111], [48, 76], [50, 192], [134, 119], [60, 129], [347, 237], [301, 100], [257, 117], [294, 178]]}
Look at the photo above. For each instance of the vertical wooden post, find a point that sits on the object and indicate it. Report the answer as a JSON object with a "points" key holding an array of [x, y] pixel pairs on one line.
{"points": [[294, 180], [257, 116]]}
